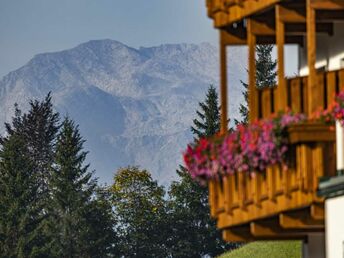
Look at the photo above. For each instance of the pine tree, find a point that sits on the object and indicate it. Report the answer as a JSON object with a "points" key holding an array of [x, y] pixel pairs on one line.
{"points": [[21, 219], [194, 232], [38, 128], [265, 77], [208, 122], [266, 67], [72, 206]]}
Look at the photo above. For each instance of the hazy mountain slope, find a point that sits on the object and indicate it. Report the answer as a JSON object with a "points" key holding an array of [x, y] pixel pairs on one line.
{"points": [[134, 106]]}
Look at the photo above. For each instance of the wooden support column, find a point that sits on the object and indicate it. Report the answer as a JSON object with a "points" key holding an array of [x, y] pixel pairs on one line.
{"points": [[223, 89], [280, 41], [253, 92], [311, 58]]}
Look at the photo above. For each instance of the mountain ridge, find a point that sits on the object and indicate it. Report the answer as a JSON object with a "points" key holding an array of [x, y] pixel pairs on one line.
{"points": [[134, 106]]}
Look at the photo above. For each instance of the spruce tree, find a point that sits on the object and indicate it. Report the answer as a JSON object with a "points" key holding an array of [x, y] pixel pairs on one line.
{"points": [[72, 205], [21, 217], [208, 122], [38, 128], [265, 77], [194, 233]]}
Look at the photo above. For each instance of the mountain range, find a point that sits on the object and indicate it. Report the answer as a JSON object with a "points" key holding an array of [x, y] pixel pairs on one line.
{"points": [[134, 106]]}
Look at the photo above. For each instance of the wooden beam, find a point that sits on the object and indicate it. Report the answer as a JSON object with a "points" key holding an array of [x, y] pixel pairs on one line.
{"points": [[311, 58], [232, 236], [280, 41], [259, 28], [327, 4], [229, 38], [223, 89], [300, 221], [253, 92], [288, 15]]}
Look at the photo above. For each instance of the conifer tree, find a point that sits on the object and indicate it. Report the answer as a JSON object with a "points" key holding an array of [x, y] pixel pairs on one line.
{"points": [[72, 206], [38, 128], [265, 77], [194, 233], [208, 122], [21, 219]]}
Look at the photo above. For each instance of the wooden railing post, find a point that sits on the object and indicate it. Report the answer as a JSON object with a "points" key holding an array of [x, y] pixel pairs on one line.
{"points": [[223, 87], [280, 41], [253, 92], [311, 58]]}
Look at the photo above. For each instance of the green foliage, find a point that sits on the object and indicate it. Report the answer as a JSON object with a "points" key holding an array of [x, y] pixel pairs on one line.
{"points": [[194, 232], [21, 219], [266, 67], [141, 213], [265, 77], [208, 122], [271, 249], [75, 214]]}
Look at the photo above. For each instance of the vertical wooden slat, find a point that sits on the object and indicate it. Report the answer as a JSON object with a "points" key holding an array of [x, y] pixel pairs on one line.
{"points": [[280, 41], [223, 92], [341, 79], [253, 92], [212, 198], [228, 194], [305, 95], [266, 103], [321, 90], [331, 87], [271, 179], [311, 56], [295, 88]]}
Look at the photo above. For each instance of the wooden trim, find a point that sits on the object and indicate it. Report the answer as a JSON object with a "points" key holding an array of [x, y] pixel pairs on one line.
{"points": [[253, 92], [223, 89], [280, 40], [311, 56], [327, 4]]}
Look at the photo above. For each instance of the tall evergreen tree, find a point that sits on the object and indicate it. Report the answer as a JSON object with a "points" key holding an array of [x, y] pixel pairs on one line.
{"points": [[73, 208], [265, 77], [266, 67], [194, 233], [38, 128], [21, 219], [208, 122]]}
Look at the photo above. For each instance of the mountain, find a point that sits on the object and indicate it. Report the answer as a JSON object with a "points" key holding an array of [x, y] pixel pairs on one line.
{"points": [[134, 106]]}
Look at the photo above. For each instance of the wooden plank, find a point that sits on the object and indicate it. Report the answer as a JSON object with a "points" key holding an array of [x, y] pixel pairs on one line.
{"points": [[320, 91], [223, 90], [295, 88], [305, 104], [311, 58], [288, 15], [228, 197], [341, 79], [280, 41], [253, 92], [327, 4], [331, 87], [300, 220], [212, 198], [266, 103]]}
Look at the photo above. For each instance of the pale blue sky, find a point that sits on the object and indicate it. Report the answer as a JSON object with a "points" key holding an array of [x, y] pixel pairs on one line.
{"points": [[29, 27]]}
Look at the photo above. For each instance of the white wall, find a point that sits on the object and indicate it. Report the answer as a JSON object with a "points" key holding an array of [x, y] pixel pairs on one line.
{"points": [[330, 51], [334, 227]]}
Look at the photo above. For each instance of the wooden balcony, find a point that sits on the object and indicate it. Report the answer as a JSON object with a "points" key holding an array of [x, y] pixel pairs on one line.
{"points": [[278, 203]]}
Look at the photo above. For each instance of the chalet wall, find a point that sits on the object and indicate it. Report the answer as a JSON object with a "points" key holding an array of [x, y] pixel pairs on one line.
{"points": [[330, 51], [334, 225]]}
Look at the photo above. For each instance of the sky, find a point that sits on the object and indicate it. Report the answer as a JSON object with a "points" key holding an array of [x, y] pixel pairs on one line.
{"points": [[29, 27]]}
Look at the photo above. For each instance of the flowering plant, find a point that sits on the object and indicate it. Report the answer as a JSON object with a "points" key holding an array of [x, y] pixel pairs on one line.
{"points": [[249, 148]]}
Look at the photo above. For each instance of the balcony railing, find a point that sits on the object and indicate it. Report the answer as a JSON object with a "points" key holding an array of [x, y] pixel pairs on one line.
{"points": [[282, 202], [296, 97]]}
